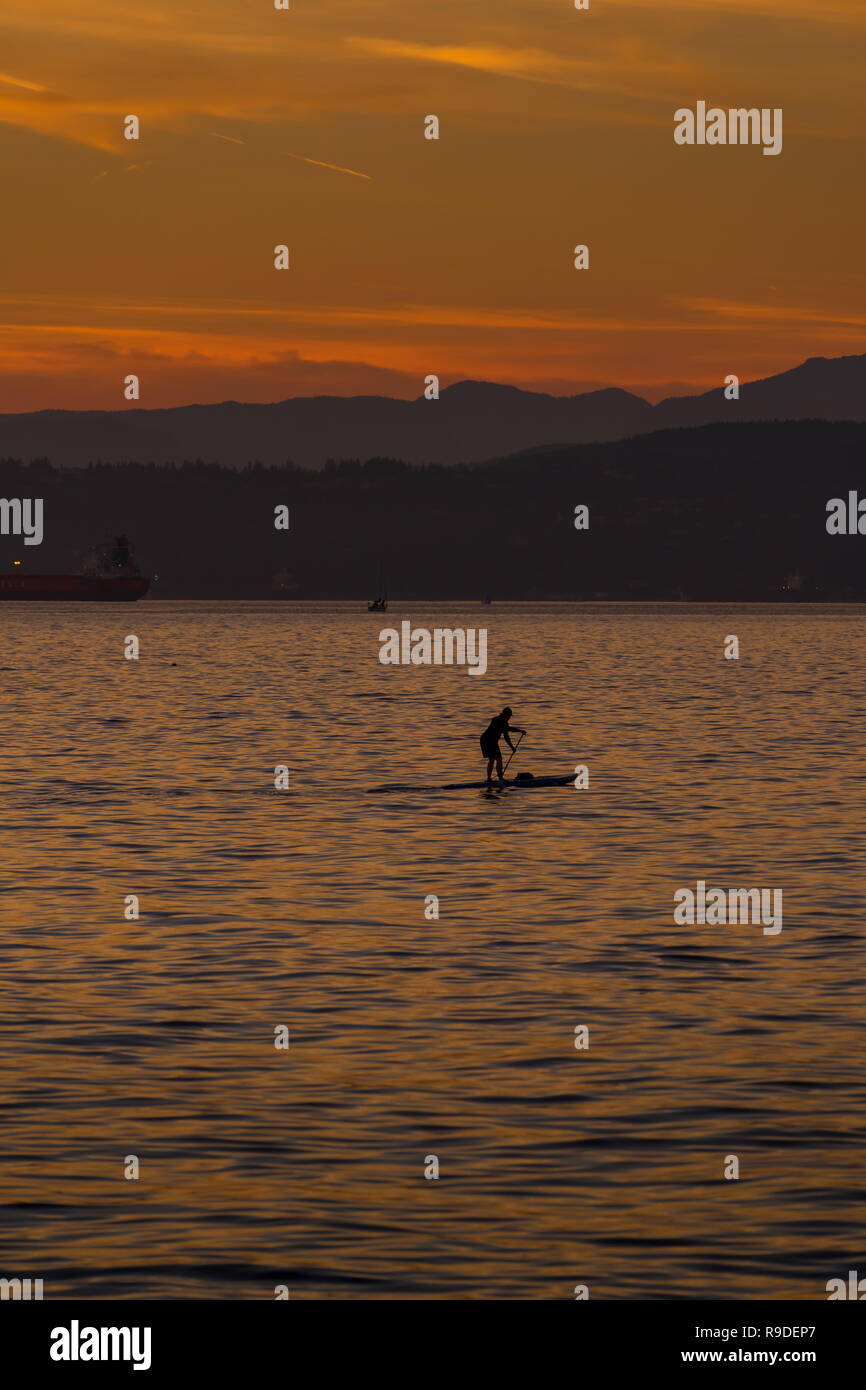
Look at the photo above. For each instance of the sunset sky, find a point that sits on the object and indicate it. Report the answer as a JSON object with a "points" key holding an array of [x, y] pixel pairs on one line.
{"points": [[411, 256]]}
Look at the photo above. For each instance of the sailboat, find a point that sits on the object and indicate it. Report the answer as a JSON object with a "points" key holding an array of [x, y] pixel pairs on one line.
{"points": [[380, 604]]}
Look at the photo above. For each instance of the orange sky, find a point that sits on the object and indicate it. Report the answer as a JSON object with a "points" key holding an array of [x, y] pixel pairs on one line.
{"points": [[451, 257]]}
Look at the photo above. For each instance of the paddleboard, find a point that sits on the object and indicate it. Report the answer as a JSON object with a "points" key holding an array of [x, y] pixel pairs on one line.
{"points": [[509, 783]]}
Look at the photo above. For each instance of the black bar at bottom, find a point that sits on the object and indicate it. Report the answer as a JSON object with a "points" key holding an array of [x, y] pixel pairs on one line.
{"points": [[410, 1340]]}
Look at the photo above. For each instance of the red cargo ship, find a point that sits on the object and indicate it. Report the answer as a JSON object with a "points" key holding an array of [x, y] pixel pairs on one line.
{"points": [[108, 574]]}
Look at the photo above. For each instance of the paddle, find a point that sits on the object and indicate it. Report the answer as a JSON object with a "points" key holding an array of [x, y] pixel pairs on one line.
{"points": [[513, 751]]}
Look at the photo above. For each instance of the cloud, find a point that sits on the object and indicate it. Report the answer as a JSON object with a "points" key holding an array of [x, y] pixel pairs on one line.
{"points": [[212, 60], [760, 314], [613, 67], [526, 62], [81, 371], [19, 82]]}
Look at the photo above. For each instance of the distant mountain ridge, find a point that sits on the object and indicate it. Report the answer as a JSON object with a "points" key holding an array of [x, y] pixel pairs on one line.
{"points": [[471, 422]]}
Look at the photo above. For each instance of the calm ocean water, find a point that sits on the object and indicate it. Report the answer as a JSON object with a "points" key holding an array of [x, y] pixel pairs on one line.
{"points": [[412, 1037]]}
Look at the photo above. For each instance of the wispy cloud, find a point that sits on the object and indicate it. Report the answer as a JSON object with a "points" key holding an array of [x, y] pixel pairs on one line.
{"points": [[604, 68], [760, 314], [41, 315], [507, 62], [636, 65], [19, 82]]}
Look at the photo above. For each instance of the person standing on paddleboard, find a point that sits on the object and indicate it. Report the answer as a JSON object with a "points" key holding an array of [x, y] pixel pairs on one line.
{"points": [[498, 728]]}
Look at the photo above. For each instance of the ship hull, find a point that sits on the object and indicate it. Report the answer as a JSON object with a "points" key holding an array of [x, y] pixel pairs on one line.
{"points": [[72, 588]]}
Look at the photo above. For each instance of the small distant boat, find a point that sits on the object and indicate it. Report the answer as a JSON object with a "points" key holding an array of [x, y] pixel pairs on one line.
{"points": [[487, 600], [284, 585], [109, 574], [380, 604], [796, 588]]}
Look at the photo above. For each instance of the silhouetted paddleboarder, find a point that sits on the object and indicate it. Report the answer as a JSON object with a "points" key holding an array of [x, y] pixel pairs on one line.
{"points": [[498, 728]]}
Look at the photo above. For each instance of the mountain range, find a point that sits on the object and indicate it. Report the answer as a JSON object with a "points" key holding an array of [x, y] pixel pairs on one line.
{"points": [[472, 421]]}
